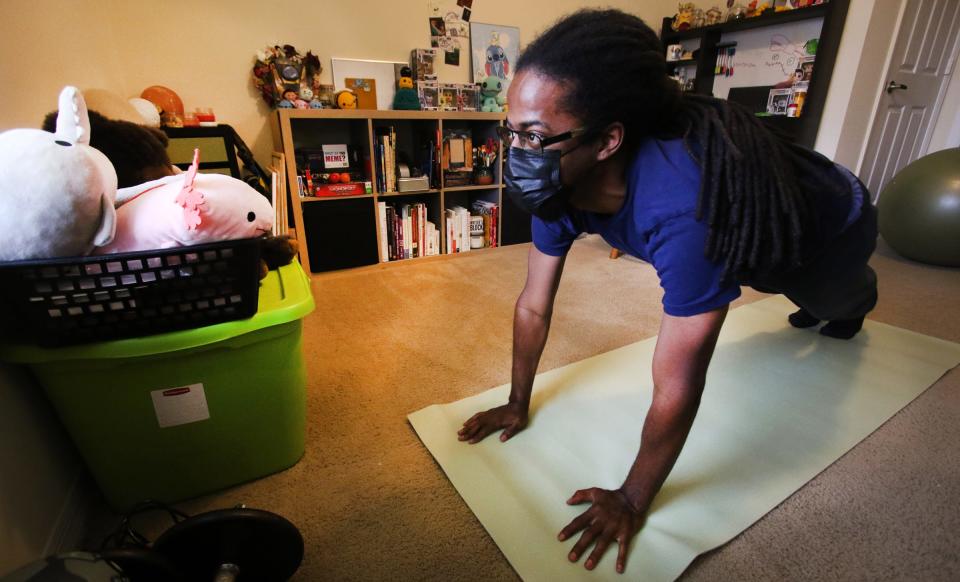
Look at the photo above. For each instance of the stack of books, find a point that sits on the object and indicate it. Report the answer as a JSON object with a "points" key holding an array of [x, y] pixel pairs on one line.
{"points": [[490, 213], [457, 222], [405, 232], [385, 162]]}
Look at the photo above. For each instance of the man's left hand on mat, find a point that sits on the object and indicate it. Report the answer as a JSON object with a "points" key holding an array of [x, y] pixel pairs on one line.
{"points": [[611, 518]]}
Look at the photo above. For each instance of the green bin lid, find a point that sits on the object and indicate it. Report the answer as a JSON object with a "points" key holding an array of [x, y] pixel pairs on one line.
{"points": [[284, 297]]}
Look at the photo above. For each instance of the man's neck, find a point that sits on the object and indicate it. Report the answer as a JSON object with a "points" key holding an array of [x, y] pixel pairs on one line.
{"points": [[604, 190]]}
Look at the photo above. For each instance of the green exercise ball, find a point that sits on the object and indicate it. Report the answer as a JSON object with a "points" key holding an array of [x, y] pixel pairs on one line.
{"points": [[920, 210]]}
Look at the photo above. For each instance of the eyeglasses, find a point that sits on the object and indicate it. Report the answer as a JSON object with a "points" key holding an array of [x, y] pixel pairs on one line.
{"points": [[534, 142]]}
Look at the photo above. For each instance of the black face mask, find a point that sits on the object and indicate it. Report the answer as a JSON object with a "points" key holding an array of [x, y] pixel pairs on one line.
{"points": [[533, 182]]}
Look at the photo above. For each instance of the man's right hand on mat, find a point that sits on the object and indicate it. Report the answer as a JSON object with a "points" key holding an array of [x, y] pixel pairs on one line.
{"points": [[511, 417], [610, 519]]}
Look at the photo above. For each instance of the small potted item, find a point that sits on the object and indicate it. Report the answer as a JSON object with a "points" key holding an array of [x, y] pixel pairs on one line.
{"points": [[483, 159]]}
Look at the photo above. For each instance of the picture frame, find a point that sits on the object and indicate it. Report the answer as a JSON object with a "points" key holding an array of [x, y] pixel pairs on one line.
{"points": [[806, 68], [494, 49], [383, 72], [778, 101]]}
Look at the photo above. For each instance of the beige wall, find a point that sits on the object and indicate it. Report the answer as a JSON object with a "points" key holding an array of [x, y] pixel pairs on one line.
{"points": [[204, 50], [39, 471]]}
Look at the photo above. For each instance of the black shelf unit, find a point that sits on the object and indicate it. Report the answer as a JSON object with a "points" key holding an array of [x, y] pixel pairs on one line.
{"points": [[803, 129]]}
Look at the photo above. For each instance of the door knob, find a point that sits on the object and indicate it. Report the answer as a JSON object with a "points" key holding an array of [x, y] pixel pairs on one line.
{"points": [[893, 86]]}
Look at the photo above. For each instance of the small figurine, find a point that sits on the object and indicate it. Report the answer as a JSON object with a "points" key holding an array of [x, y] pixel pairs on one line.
{"points": [[756, 8], [683, 20], [346, 99], [406, 97], [289, 97], [713, 16], [735, 10], [699, 19], [490, 92]]}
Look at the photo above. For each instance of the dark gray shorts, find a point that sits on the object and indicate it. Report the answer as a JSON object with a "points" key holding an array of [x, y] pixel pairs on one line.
{"points": [[837, 283]]}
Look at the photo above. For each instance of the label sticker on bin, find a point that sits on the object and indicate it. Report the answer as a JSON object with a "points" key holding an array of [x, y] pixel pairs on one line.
{"points": [[180, 405]]}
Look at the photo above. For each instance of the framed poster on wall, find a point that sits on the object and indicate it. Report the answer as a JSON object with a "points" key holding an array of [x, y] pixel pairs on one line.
{"points": [[494, 49]]}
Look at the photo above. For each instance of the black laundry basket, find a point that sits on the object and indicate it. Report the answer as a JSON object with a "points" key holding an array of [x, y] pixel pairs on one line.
{"points": [[59, 302]]}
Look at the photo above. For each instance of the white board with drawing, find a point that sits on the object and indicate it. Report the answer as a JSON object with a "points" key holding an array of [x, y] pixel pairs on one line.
{"points": [[766, 56]]}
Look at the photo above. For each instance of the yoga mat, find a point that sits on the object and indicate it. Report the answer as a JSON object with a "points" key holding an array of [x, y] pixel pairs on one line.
{"points": [[781, 404]]}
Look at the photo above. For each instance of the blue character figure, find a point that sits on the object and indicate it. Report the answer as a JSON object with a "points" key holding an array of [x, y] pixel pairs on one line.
{"points": [[497, 63]]}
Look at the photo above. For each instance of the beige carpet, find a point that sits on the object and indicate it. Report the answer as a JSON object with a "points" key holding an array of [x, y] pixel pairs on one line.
{"points": [[372, 504]]}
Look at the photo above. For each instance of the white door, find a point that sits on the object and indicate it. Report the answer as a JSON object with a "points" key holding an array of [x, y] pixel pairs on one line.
{"points": [[923, 58]]}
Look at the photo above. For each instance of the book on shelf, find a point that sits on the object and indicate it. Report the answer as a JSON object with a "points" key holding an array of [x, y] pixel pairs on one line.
{"points": [[384, 243], [386, 159], [457, 220], [406, 232], [490, 213]]}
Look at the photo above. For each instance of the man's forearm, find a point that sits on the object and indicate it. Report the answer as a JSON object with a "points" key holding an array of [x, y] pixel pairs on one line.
{"points": [[665, 431], [529, 337]]}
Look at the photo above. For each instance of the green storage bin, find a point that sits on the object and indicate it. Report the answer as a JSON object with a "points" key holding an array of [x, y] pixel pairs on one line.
{"points": [[180, 414]]}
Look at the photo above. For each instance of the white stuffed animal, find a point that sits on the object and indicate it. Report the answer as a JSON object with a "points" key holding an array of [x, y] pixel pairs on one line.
{"points": [[56, 192]]}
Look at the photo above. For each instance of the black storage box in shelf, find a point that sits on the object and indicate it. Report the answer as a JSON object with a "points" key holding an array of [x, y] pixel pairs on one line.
{"points": [[342, 233], [68, 301]]}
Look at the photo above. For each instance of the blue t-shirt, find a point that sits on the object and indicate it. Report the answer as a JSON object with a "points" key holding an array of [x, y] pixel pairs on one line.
{"points": [[657, 223]]}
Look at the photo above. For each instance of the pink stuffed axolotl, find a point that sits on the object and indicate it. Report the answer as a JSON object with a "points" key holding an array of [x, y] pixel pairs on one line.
{"points": [[188, 209]]}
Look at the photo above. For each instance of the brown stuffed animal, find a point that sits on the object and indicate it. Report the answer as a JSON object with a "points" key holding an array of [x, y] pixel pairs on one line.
{"points": [[277, 251]]}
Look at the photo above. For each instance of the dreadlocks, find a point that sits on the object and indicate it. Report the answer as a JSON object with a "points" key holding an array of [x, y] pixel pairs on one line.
{"points": [[754, 187]]}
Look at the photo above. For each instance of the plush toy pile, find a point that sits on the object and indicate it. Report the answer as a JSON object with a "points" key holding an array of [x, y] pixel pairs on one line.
{"points": [[59, 198], [287, 79]]}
